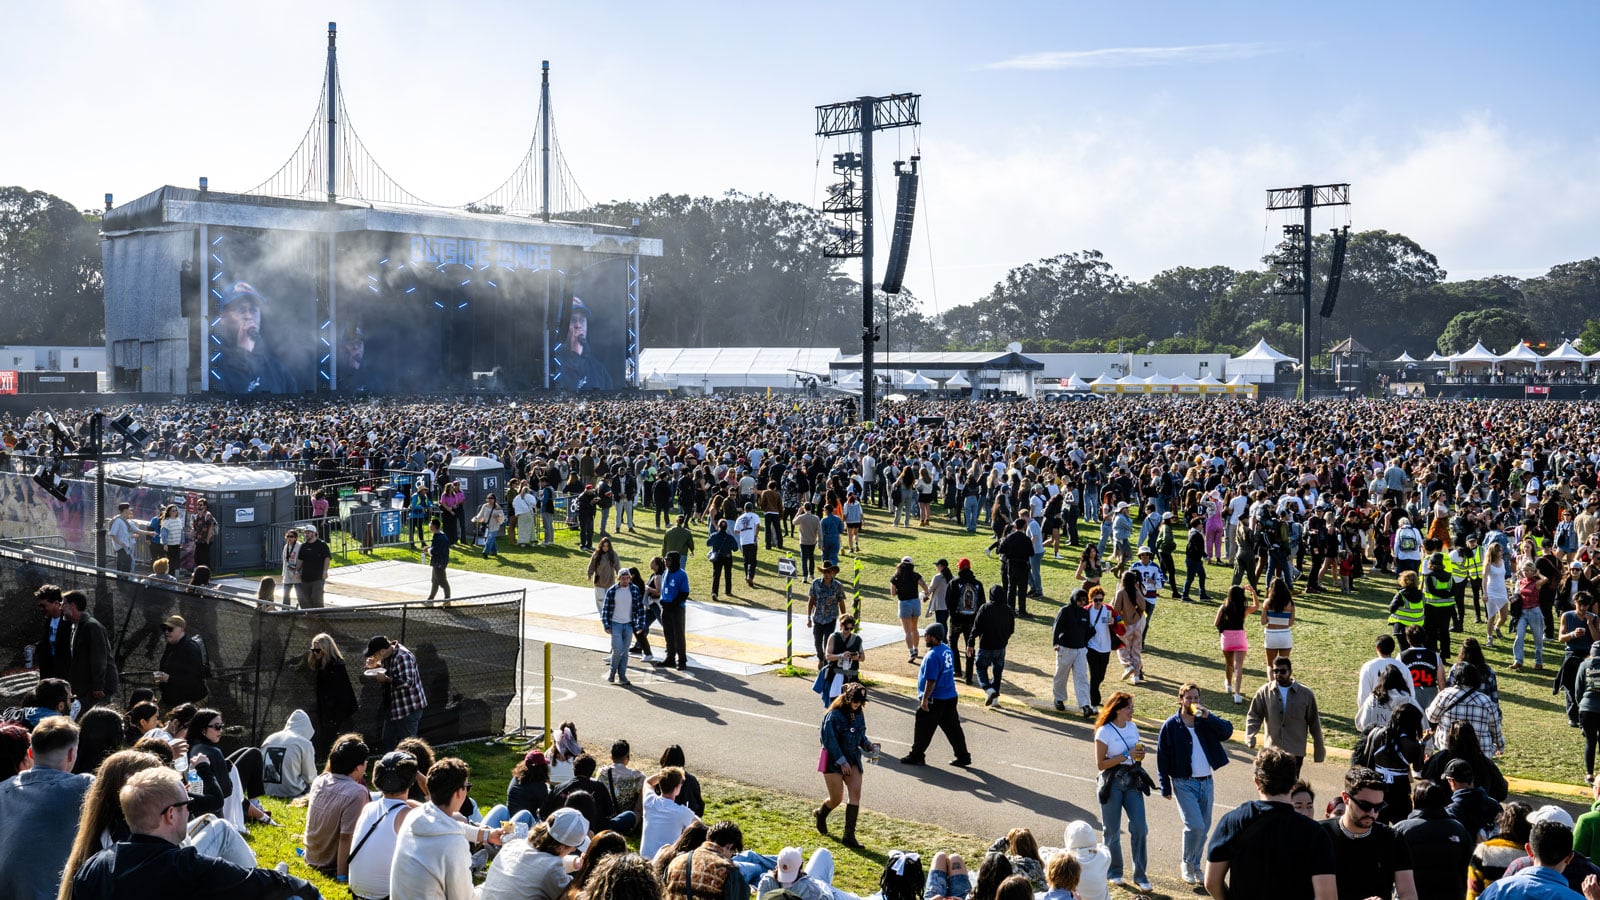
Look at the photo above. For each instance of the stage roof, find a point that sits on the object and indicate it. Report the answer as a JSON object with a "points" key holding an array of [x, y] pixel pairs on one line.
{"points": [[170, 206], [682, 362]]}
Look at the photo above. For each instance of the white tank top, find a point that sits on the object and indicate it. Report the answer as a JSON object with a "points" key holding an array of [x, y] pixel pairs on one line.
{"points": [[369, 871]]}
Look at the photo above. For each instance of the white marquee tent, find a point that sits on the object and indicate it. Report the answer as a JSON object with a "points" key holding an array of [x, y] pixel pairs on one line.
{"points": [[721, 368], [1258, 364]]}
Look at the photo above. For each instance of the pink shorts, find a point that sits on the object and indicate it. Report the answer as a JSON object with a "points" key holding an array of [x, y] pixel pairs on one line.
{"points": [[1235, 641]]}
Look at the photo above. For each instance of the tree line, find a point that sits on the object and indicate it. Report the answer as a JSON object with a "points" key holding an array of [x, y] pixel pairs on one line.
{"points": [[748, 270]]}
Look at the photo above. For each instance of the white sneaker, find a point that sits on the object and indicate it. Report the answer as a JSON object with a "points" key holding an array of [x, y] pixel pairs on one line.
{"points": [[1143, 884], [1188, 874], [1115, 882]]}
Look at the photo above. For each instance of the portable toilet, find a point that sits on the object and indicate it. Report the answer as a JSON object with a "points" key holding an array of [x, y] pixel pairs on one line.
{"points": [[479, 476]]}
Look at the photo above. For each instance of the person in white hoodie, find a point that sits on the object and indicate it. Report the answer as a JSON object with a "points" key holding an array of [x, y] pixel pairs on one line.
{"points": [[431, 857], [291, 761], [1093, 857]]}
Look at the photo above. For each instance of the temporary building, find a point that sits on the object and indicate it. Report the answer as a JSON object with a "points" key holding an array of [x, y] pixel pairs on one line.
{"points": [[917, 382], [1157, 384], [1522, 355], [1405, 358], [1566, 355], [1105, 384], [1258, 364], [958, 380], [1479, 355], [711, 369]]}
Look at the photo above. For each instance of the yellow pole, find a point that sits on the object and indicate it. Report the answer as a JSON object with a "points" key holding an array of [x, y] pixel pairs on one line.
{"points": [[548, 742]]}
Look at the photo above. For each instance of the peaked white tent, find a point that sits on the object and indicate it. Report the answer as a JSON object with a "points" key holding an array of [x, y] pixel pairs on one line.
{"points": [[958, 380], [1566, 355], [1258, 364], [1105, 384], [916, 382], [1478, 355], [1183, 384], [1158, 384], [1074, 383], [1435, 357], [1405, 358], [1522, 355]]}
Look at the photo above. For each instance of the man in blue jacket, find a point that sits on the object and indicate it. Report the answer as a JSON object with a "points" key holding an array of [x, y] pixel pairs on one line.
{"points": [[1188, 752], [39, 811]]}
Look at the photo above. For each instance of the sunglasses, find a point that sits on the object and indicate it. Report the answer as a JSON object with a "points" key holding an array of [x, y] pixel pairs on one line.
{"points": [[1364, 806], [176, 804], [167, 628], [316, 650], [214, 726]]}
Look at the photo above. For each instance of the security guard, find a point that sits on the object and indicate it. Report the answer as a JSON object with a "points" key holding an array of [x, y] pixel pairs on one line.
{"points": [[1469, 571], [1406, 609], [1438, 589]]}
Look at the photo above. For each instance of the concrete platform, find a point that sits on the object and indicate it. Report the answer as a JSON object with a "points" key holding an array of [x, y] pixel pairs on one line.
{"points": [[740, 640]]}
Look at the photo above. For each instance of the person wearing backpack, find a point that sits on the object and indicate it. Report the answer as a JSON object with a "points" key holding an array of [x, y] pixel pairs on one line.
{"points": [[1587, 687], [964, 596], [1070, 639], [1407, 547]]}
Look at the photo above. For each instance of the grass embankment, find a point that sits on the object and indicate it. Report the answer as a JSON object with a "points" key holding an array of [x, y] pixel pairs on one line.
{"points": [[1333, 636], [770, 821]]}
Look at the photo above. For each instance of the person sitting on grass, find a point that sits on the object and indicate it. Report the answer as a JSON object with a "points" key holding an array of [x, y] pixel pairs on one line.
{"points": [[535, 868], [151, 863], [1062, 874]]}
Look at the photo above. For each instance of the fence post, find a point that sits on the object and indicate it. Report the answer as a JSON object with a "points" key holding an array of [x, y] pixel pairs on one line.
{"points": [[788, 608], [855, 586], [547, 685]]}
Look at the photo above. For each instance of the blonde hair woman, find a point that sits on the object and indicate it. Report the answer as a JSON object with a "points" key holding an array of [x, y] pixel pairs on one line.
{"points": [[335, 695]]}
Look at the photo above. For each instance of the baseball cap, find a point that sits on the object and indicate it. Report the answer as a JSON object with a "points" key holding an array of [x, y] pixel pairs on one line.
{"points": [[907, 559], [788, 865], [378, 642], [175, 622], [963, 563], [1166, 515], [1460, 770], [1550, 813], [568, 826], [241, 290]]}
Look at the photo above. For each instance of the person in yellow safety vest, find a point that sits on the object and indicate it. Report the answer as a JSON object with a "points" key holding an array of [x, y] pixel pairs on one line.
{"points": [[1439, 603], [1468, 574], [1406, 608]]}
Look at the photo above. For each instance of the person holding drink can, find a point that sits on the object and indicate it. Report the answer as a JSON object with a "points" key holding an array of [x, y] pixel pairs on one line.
{"points": [[1185, 774], [1119, 756]]}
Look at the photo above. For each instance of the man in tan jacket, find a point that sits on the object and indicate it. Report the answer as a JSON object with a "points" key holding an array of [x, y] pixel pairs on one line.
{"points": [[1289, 710]]}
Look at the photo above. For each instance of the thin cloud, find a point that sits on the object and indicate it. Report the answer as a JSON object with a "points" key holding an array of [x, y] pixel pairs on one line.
{"points": [[1133, 57]]}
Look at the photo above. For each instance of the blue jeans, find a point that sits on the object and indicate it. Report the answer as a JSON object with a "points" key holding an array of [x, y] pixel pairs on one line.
{"points": [[621, 643], [969, 514], [1034, 584], [753, 865], [488, 544], [1530, 619], [985, 659], [1131, 801], [1194, 796], [500, 814], [396, 729]]}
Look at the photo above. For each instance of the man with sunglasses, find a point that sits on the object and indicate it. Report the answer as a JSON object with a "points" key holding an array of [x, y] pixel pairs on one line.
{"points": [[1288, 711], [182, 676], [1372, 861], [152, 862]]}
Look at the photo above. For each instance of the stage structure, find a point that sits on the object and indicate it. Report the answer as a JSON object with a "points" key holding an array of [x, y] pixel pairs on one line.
{"points": [[330, 277], [1295, 249]]}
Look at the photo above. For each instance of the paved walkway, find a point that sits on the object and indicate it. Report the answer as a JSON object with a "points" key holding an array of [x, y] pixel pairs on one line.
{"points": [[740, 640]]}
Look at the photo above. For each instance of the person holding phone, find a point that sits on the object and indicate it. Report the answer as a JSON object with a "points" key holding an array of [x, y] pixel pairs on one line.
{"points": [[1189, 750]]}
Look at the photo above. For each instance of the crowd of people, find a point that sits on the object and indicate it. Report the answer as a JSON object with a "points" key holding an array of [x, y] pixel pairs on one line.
{"points": [[1282, 502]]}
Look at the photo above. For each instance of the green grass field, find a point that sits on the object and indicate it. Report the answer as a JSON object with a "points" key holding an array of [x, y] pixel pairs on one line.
{"points": [[770, 821], [1333, 635]]}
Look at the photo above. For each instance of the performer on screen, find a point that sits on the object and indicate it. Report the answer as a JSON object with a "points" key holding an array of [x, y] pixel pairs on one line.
{"points": [[245, 365], [580, 371], [353, 372]]}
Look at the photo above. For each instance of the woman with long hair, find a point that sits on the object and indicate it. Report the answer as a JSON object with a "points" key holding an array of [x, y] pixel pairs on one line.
{"points": [[491, 520], [604, 565], [1390, 693], [530, 784], [100, 734], [602, 847], [1119, 752], [1235, 642], [100, 822], [1277, 620], [1089, 566], [992, 872], [1130, 607], [909, 590], [1496, 599], [652, 599], [844, 740], [171, 536], [1461, 742], [1101, 617], [844, 655], [1471, 654], [689, 795], [335, 696], [1393, 751]]}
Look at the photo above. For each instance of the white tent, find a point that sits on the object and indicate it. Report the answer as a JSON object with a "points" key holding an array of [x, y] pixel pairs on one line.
{"points": [[1435, 357], [1105, 384], [1478, 354], [714, 368], [1259, 364], [1568, 355], [1158, 384], [1074, 383], [1522, 354], [1211, 384], [958, 380], [1405, 358], [915, 382], [1128, 384], [1183, 384], [850, 379]]}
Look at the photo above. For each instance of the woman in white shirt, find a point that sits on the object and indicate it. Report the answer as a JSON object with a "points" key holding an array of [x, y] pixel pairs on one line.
{"points": [[1119, 756], [1496, 598]]}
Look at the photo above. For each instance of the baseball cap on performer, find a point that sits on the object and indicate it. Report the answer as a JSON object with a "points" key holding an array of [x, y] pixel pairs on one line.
{"points": [[241, 290]]}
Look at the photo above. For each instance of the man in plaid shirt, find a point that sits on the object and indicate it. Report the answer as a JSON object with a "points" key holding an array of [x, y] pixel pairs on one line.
{"points": [[402, 688], [1465, 701]]}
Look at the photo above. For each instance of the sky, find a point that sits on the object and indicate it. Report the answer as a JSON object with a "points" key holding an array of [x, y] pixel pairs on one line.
{"points": [[1148, 131]]}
